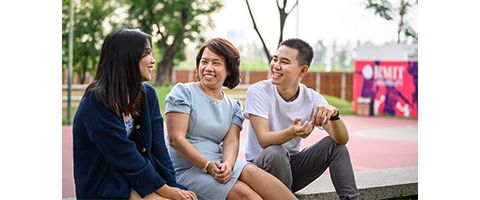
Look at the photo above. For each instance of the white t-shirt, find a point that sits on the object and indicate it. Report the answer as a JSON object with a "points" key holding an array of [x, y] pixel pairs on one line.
{"points": [[263, 100]]}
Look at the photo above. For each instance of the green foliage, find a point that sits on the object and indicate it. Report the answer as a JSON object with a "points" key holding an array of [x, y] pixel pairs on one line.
{"points": [[410, 32], [173, 24], [384, 9], [89, 17], [381, 7]]}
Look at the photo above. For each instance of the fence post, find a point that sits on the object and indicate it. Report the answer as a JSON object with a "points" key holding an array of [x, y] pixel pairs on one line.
{"points": [[190, 75], [70, 63], [174, 76], [344, 83], [317, 81]]}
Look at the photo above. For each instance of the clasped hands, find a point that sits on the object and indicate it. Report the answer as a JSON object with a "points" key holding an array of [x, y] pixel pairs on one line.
{"points": [[220, 171], [320, 116]]}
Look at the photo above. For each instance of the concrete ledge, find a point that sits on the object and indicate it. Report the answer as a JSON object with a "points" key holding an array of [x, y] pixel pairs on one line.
{"points": [[372, 184]]}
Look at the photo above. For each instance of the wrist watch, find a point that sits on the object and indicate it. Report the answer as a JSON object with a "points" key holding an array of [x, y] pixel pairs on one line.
{"points": [[335, 116]]}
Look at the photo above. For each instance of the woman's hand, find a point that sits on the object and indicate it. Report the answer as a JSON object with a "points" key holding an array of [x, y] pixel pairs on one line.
{"points": [[175, 193], [221, 172]]}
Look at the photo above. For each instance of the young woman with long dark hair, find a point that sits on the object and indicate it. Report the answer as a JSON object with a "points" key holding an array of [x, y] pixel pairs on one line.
{"points": [[118, 140]]}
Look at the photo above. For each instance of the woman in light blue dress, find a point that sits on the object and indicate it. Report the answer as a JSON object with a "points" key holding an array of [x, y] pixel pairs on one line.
{"points": [[203, 128]]}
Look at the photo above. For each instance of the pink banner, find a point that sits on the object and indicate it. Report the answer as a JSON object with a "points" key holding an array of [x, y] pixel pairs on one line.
{"points": [[386, 88]]}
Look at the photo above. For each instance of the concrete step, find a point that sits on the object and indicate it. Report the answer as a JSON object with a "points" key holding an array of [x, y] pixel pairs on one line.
{"points": [[372, 184]]}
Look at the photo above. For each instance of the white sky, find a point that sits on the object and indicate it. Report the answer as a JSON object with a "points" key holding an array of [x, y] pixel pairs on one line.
{"points": [[340, 20]]}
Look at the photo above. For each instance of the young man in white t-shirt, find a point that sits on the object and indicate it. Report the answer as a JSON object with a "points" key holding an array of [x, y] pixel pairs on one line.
{"points": [[281, 111]]}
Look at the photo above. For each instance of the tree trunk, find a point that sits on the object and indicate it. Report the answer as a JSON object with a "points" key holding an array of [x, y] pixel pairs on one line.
{"points": [[403, 7], [164, 72], [265, 49], [283, 18], [84, 71], [165, 67]]}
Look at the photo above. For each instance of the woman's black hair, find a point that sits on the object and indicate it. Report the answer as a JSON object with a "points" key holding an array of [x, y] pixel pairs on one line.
{"points": [[118, 80], [231, 55]]}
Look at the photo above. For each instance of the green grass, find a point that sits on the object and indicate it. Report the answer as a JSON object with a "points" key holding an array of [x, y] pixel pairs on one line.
{"points": [[261, 65], [254, 65], [344, 106], [64, 114], [162, 93]]}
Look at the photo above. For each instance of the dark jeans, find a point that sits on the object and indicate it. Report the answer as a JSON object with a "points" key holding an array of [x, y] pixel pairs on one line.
{"points": [[299, 170]]}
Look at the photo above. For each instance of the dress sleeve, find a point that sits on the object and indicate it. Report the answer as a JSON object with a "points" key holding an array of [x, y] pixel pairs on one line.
{"points": [[256, 102], [237, 114], [178, 100]]}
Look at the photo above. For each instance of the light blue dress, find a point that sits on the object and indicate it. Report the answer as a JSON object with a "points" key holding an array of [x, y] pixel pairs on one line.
{"points": [[209, 122]]}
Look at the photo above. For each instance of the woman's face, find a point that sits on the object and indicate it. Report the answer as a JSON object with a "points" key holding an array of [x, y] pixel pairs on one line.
{"points": [[146, 63], [212, 69]]}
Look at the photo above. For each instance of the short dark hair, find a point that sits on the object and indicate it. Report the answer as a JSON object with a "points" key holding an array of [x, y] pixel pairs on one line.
{"points": [[305, 51], [231, 55], [118, 79]]}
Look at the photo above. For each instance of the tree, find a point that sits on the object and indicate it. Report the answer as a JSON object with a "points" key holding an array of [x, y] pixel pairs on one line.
{"points": [[384, 9], [88, 33], [172, 23], [283, 17]]}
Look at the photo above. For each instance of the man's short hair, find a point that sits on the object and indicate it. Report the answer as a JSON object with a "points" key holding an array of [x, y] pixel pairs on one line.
{"points": [[305, 51]]}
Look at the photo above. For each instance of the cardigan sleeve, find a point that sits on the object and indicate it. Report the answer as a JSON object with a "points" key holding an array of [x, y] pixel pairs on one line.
{"points": [[106, 130]]}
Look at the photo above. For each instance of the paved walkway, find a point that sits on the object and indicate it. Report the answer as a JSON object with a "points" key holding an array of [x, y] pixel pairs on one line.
{"points": [[375, 143]]}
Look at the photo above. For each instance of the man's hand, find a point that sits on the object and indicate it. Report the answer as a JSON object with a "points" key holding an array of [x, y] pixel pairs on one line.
{"points": [[302, 130], [321, 114]]}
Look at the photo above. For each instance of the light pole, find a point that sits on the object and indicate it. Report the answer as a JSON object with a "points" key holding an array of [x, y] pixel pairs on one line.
{"points": [[70, 63], [298, 18]]}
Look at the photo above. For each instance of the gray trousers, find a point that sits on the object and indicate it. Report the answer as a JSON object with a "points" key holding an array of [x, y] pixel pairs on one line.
{"points": [[299, 170]]}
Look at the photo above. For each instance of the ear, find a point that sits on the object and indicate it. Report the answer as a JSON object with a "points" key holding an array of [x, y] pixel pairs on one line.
{"points": [[303, 71]]}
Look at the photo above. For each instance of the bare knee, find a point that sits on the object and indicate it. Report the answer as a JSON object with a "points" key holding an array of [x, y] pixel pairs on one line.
{"points": [[242, 191], [253, 173], [251, 170]]}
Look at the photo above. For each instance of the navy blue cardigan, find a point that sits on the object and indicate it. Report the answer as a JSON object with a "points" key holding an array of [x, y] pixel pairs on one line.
{"points": [[107, 163]]}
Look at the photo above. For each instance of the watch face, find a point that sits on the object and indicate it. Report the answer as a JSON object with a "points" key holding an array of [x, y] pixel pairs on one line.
{"points": [[336, 115]]}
